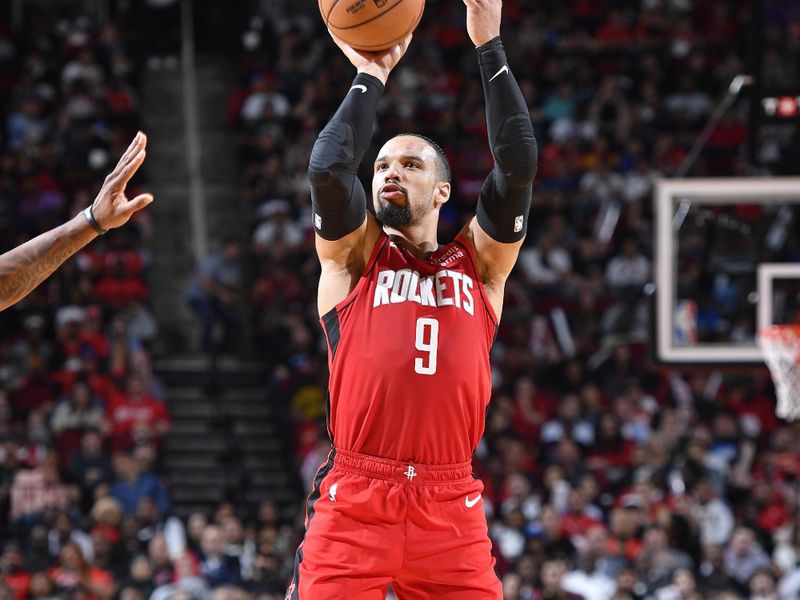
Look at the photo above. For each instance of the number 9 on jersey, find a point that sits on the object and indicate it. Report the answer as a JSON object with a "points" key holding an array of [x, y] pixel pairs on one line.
{"points": [[427, 340]]}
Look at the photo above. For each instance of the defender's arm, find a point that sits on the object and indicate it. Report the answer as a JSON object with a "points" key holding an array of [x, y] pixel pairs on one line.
{"points": [[26, 266]]}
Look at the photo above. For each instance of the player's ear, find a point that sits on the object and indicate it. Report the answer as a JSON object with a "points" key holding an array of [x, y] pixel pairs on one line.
{"points": [[441, 193]]}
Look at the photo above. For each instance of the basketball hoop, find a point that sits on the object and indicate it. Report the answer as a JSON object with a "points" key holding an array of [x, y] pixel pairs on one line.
{"points": [[781, 347]]}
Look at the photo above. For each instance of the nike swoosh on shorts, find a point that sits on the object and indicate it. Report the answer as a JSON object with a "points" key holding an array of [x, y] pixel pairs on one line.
{"points": [[361, 87], [470, 503]]}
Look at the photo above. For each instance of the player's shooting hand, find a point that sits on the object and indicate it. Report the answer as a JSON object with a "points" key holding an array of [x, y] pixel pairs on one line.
{"points": [[377, 64], [483, 20], [112, 208]]}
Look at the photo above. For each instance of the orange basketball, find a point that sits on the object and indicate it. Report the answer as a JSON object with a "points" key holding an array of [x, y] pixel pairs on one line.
{"points": [[371, 25]]}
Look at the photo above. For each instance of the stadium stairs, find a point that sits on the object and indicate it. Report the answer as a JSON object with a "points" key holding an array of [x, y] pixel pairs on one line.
{"points": [[227, 441], [168, 177]]}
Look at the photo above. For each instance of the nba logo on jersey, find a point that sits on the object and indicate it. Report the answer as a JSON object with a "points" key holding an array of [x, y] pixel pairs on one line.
{"points": [[518, 224]]}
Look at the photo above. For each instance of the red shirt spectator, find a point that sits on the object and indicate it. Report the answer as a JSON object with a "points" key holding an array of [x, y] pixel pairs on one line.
{"points": [[135, 413], [118, 286], [16, 576], [74, 573], [36, 490]]}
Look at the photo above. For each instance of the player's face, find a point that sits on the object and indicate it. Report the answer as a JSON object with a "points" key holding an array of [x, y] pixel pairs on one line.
{"points": [[406, 183]]}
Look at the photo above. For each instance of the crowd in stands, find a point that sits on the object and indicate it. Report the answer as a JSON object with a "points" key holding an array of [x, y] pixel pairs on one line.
{"points": [[81, 413], [606, 478]]}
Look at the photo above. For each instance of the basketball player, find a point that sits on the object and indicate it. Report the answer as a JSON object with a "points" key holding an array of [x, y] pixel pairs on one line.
{"points": [[26, 266], [409, 326]]}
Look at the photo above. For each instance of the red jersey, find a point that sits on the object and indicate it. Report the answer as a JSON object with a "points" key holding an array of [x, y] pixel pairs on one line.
{"points": [[408, 353]]}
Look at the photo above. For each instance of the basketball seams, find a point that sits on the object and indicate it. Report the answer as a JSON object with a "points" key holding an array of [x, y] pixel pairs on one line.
{"points": [[330, 10], [372, 18], [393, 42], [364, 35]]}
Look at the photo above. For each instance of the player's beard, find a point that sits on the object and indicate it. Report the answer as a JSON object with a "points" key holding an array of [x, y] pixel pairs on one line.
{"points": [[392, 215]]}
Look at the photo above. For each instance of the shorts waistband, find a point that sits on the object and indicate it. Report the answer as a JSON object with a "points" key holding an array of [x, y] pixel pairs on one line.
{"points": [[407, 472]]}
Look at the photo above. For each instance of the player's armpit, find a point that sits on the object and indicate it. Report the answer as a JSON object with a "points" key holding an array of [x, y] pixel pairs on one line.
{"points": [[343, 262], [353, 248], [495, 259]]}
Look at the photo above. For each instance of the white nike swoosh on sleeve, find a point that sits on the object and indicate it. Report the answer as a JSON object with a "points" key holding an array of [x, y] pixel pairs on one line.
{"points": [[503, 69], [361, 87]]}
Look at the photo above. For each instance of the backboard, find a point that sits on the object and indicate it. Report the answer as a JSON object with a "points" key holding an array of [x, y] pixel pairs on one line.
{"points": [[727, 263]]}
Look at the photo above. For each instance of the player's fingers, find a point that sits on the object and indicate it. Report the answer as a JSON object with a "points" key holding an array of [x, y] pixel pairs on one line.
{"points": [[139, 202], [406, 41], [344, 46], [127, 171], [136, 146], [139, 140]]}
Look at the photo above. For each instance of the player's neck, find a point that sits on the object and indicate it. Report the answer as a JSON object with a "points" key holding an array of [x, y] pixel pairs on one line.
{"points": [[419, 240]]}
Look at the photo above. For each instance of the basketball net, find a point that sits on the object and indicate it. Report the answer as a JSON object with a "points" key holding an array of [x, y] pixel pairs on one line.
{"points": [[781, 347]]}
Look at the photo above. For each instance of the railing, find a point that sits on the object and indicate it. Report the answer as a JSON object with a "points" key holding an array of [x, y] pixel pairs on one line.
{"points": [[197, 203]]}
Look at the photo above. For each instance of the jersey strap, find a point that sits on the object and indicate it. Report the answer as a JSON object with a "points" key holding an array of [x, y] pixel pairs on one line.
{"points": [[330, 320]]}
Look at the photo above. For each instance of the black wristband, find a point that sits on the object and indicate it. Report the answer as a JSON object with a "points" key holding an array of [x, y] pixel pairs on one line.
{"points": [[87, 212]]}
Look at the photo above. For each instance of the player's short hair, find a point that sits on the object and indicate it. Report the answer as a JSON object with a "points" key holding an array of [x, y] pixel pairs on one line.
{"points": [[442, 164]]}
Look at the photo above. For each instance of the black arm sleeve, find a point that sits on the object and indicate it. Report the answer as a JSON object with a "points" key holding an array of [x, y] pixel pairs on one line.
{"points": [[338, 200], [505, 199]]}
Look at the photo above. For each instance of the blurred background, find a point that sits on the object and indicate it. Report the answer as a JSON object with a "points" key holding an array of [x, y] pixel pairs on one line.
{"points": [[162, 395]]}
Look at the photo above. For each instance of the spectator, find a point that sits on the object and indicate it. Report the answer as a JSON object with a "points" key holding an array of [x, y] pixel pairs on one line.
{"points": [[213, 291], [744, 555], [762, 586], [36, 491], [586, 580], [90, 467], [133, 485], [216, 567], [629, 269], [711, 513], [41, 587], [75, 414], [136, 416], [546, 265], [683, 586], [552, 574], [73, 574], [15, 575], [568, 424]]}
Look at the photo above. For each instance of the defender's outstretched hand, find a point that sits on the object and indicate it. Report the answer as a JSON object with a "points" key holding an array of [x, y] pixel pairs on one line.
{"points": [[27, 265], [377, 64], [112, 208], [483, 20]]}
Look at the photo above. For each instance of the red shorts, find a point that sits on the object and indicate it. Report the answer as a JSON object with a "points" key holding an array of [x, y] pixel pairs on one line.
{"points": [[371, 522]]}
